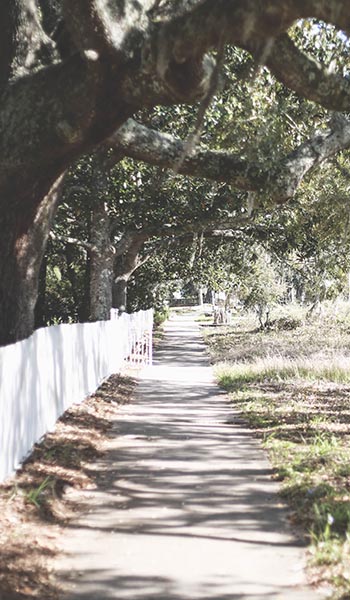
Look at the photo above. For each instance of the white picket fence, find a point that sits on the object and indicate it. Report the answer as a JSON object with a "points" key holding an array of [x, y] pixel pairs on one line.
{"points": [[58, 366], [136, 348]]}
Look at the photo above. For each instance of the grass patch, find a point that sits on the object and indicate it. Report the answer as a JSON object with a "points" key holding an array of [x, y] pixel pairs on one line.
{"points": [[277, 369], [204, 318], [294, 392]]}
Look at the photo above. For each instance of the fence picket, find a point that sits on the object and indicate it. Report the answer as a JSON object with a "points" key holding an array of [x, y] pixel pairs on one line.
{"points": [[58, 366]]}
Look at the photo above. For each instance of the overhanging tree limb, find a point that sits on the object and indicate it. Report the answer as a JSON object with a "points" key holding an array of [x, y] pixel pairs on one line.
{"points": [[133, 240], [306, 76], [239, 21], [292, 169], [56, 107], [280, 181], [256, 26], [163, 150], [107, 28]]}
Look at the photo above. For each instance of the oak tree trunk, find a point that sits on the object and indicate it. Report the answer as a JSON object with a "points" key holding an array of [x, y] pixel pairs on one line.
{"points": [[127, 259], [53, 108], [101, 263], [22, 244]]}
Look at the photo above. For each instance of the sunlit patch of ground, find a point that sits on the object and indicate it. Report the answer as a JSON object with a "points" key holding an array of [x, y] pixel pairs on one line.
{"points": [[293, 388]]}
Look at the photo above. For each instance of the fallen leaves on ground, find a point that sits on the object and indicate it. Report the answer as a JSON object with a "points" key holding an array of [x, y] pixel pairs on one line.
{"points": [[35, 505]]}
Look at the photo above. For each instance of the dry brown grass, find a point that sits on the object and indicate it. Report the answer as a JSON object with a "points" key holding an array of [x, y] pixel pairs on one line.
{"points": [[292, 388]]}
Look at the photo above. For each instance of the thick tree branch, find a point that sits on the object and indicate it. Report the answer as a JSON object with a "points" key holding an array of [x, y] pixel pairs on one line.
{"points": [[47, 120], [239, 21], [288, 175], [255, 26], [163, 150], [138, 247], [280, 182], [23, 42], [131, 238], [134, 239], [306, 76], [107, 28], [162, 62]]}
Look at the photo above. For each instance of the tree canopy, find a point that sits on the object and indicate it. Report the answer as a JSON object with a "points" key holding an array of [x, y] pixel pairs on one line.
{"points": [[266, 85]]}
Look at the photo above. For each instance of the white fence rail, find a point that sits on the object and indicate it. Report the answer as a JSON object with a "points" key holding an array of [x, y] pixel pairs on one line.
{"points": [[58, 366]]}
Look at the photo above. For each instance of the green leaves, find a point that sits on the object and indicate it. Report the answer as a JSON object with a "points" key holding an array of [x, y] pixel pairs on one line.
{"points": [[57, 272]]}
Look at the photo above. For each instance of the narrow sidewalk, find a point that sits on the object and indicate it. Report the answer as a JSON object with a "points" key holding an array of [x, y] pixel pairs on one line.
{"points": [[186, 508]]}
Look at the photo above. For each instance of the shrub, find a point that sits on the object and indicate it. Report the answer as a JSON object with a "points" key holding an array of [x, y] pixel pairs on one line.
{"points": [[161, 315], [286, 323]]}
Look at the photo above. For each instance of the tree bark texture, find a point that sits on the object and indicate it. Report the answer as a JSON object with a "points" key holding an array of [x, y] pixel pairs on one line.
{"points": [[101, 263], [120, 290], [280, 181], [22, 245], [127, 260], [40, 306], [71, 73]]}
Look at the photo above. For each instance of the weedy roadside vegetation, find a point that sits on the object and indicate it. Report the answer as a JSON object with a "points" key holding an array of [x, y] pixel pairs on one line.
{"points": [[292, 385]]}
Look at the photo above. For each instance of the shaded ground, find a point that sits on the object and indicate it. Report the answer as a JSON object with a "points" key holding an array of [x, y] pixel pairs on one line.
{"points": [[167, 480], [185, 507], [34, 505]]}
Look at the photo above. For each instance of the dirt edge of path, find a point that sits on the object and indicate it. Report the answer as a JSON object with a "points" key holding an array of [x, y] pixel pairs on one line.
{"points": [[34, 505]]}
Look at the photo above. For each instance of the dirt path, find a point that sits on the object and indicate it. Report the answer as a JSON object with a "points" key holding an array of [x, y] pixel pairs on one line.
{"points": [[185, 508]]}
